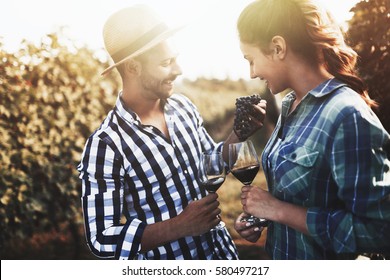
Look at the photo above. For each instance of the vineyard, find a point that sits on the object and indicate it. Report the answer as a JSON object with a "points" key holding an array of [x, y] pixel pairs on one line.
{"points": [[52, 97]]}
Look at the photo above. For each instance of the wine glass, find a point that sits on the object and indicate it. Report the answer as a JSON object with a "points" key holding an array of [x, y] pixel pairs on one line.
{"points": [[244, 165], [212, 174]]}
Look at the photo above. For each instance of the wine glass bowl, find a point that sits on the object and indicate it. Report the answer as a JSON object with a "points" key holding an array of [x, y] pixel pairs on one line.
{"points": [[244, 165], [243, 161], [212, 174], [246, 174]]}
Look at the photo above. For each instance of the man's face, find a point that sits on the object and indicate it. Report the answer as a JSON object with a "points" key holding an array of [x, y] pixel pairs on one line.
{"points": [[159, 70]]}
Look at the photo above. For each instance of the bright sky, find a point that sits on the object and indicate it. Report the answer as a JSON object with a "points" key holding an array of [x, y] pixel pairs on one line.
{"points": [[208, 45]]}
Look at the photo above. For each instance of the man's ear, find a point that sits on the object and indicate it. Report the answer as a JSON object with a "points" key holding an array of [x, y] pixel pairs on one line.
{"points": [[279, 47], [133, 66]]}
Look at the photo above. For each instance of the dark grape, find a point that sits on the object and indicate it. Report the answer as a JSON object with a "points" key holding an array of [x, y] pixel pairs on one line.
{"points": [[244, 108]]}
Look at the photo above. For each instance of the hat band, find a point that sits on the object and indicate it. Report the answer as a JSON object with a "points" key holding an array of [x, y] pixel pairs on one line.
{"points": [[140, 42]]}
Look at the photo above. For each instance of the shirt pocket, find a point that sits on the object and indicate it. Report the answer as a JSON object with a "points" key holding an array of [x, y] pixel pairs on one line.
{"points": [[294, 170]]}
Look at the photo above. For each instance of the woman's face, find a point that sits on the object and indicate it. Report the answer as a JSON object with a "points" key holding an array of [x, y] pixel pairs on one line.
{"points": [[265, 67]]}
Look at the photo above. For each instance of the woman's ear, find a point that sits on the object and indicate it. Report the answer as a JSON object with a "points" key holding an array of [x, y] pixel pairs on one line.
{"points": [[279, 47]]}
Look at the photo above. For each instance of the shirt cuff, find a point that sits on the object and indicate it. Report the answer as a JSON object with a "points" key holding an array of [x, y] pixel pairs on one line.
{"points": [[313, 221], [131, 236], [331, 230]]}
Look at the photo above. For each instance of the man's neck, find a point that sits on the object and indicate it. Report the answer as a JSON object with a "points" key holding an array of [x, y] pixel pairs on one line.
{"points": [[140, 103], [150, 111]]}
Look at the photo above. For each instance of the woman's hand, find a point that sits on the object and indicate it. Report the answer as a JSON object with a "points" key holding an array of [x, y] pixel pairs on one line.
{"points": [[246, 230], [256, 121], [260, 203], [257, 202], [259, 114]]}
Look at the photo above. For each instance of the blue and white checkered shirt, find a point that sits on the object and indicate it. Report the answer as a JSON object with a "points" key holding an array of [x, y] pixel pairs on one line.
{"points": [[328, 156], [133, 176]]}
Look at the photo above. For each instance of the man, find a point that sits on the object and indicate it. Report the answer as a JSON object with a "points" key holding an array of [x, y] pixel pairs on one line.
{"points": [[141, 197]]}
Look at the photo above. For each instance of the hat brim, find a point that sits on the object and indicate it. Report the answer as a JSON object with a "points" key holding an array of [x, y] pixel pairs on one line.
{"points": [[159, 39]]}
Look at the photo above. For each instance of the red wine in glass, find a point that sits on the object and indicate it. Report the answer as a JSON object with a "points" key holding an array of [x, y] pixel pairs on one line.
{"points": [[246, 174], [213, 184], [244, 165], [211, 175]]}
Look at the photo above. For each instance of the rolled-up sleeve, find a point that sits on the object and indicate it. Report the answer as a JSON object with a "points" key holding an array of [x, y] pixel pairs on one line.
{"points": [[360, 168]]}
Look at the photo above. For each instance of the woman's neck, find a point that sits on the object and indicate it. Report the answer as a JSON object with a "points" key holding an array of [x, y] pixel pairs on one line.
{"points": [[305, 77]]}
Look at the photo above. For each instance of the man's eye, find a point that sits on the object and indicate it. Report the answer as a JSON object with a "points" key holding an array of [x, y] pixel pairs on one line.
{"points": [[166, 63]]}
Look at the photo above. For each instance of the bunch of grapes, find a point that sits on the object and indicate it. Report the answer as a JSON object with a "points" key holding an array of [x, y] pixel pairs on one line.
{"points": [[244, 108]]}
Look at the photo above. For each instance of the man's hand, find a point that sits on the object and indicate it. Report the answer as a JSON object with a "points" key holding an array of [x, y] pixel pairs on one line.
{"points": [[199, 216]]}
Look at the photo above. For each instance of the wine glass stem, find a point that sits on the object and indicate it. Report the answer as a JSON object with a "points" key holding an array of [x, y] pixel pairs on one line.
{"points": [[221, 224], [251, 216]]}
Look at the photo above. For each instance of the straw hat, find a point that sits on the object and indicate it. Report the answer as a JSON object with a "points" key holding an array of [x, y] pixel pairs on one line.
{"points": [[132, 31]]}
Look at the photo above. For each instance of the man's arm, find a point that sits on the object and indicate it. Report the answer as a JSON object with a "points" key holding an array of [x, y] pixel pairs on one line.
{"points": [[196, 219]]}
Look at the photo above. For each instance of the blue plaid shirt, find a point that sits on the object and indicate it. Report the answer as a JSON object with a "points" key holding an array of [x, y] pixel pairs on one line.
{"points": [[327, 155], [133, 176]]}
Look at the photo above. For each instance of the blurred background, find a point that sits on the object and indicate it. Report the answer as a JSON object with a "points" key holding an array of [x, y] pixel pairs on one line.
{"points": [[52, 97]]}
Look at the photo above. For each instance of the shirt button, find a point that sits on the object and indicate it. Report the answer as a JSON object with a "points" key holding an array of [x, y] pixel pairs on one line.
{"points": [[294, 156], [185, 172]]}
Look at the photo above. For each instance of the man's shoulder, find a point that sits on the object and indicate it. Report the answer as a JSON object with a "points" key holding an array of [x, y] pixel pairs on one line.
{"points": [[108, 129], [182, 102], [180, 98]]}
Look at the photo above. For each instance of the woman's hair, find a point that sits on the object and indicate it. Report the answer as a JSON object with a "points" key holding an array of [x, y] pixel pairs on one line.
{"points": [[308, 30]]}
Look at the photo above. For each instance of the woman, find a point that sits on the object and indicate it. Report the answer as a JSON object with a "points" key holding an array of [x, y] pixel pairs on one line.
{"points": [[325, 164]]}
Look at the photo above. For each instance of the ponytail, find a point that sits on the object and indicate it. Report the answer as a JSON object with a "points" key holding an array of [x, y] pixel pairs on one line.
{"points": [[341, 64]]}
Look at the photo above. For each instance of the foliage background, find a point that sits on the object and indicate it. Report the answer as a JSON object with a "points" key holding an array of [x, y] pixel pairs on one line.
{"points": [[52, 97], [369, 35]]}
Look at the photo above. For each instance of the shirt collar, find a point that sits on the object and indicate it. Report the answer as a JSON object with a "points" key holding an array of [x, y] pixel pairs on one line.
{"points": [[326, 88], [126, 113], [130, 116], [321, 90]]}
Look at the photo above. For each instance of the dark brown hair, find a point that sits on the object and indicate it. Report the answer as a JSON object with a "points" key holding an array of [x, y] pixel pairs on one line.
{"points": [[309, 31]]}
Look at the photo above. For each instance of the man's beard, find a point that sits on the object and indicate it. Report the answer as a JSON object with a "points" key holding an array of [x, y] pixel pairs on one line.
{"points": [[155, 86]]}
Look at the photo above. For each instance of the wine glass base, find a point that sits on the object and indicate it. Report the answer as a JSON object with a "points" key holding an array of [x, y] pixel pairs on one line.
{"points": [[261, 222], [255, 221]]}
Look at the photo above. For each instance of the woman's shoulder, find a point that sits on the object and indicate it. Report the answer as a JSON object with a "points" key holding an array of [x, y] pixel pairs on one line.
{"points": [[345, 101], [345, 106]]}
